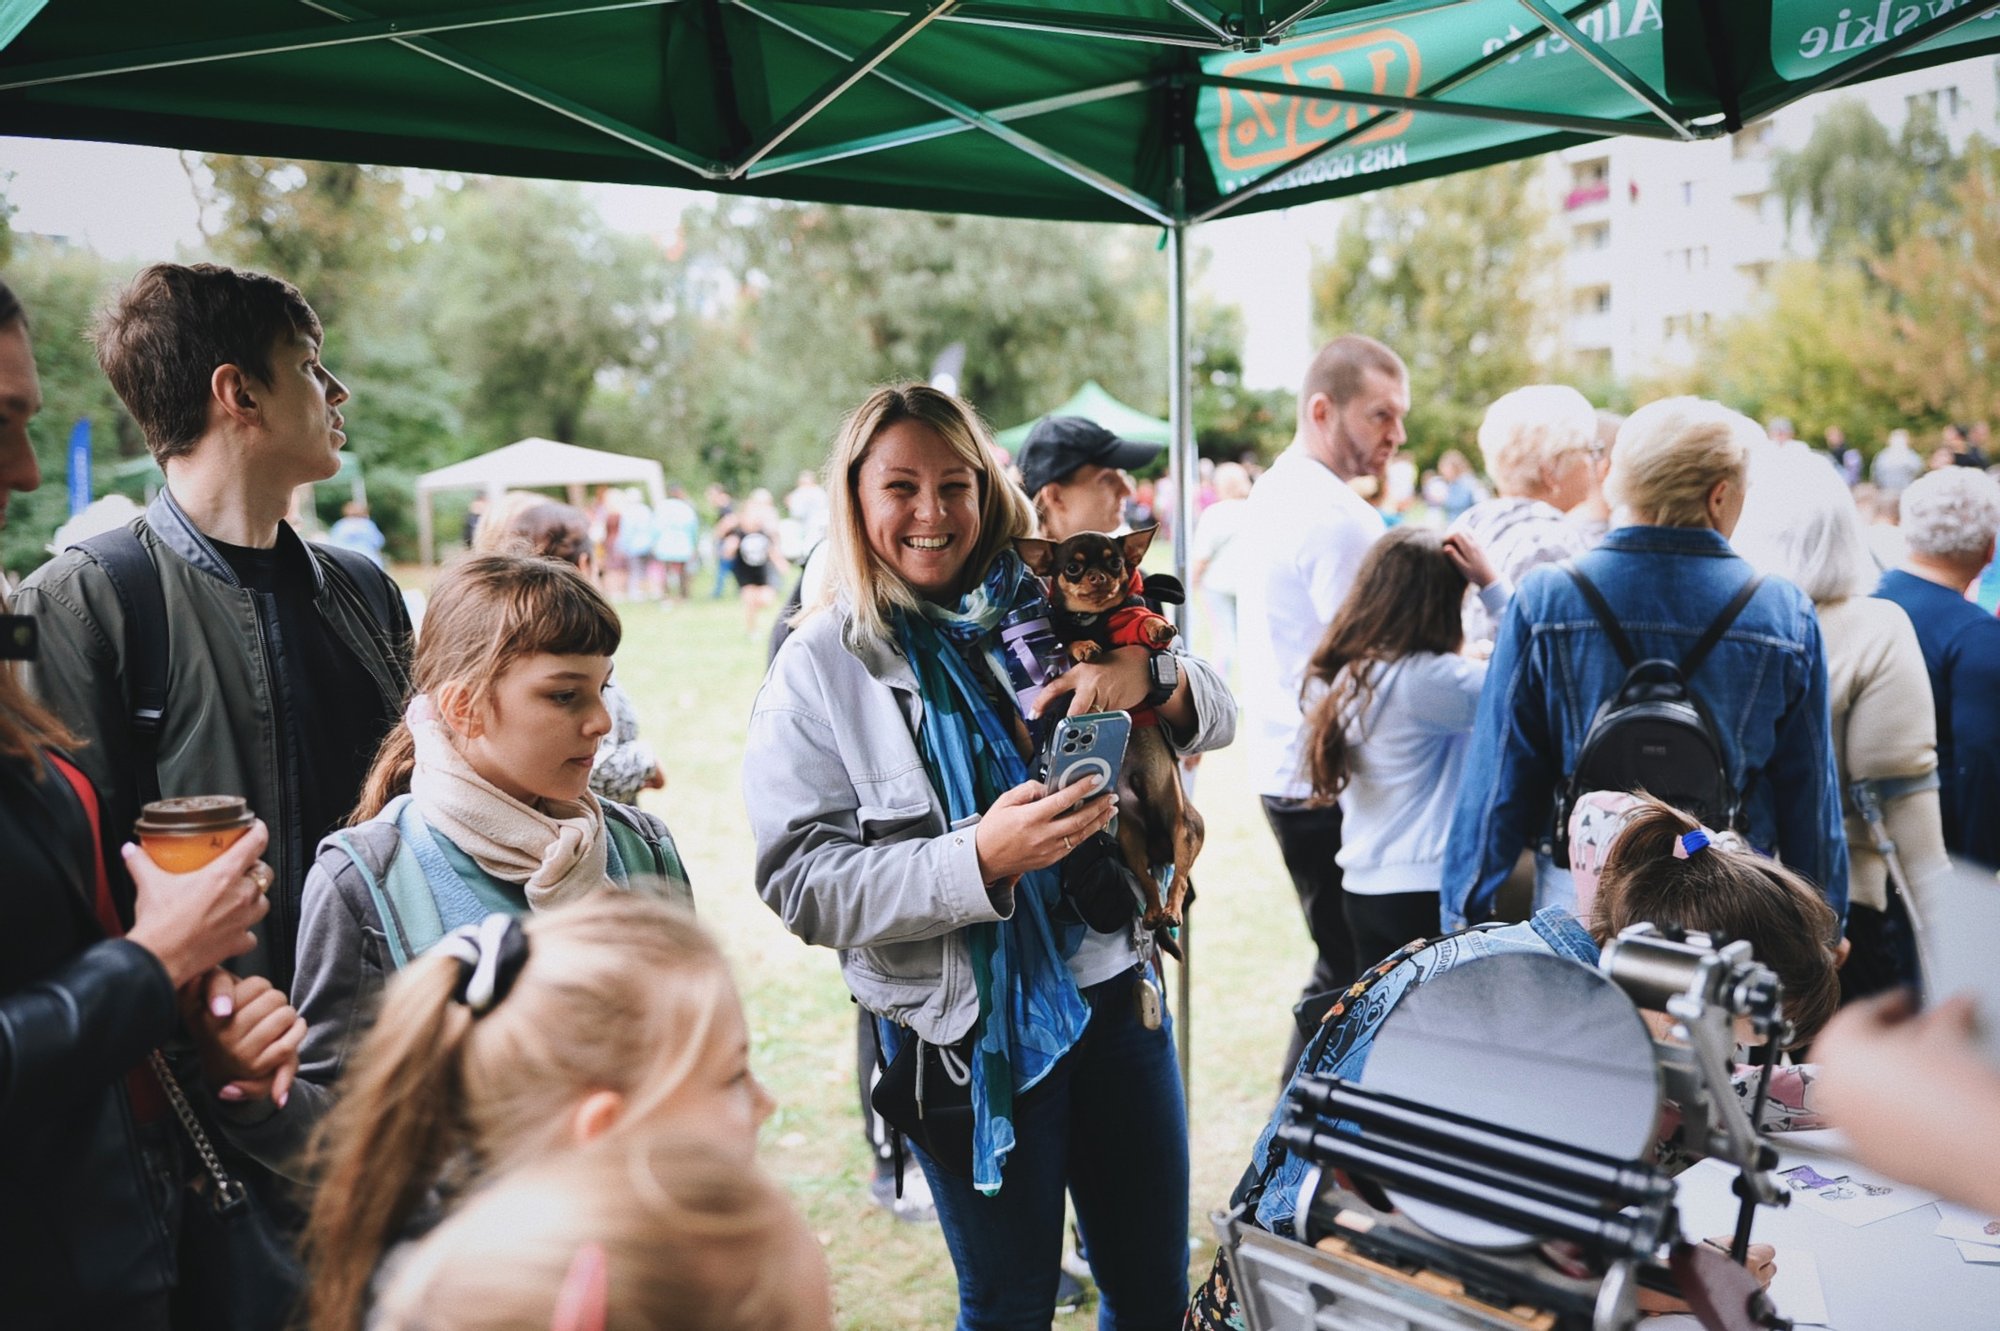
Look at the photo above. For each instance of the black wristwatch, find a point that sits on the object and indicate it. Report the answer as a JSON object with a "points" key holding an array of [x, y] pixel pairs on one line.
{"points": [[1164, 670]]}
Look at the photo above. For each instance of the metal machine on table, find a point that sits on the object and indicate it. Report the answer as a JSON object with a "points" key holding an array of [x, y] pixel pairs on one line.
{"points": [[1493, 1169]]}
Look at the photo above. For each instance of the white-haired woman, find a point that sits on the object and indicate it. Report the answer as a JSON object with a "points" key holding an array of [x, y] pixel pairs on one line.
{"points": [[1538, 443], [1800, 523], [895, 820], [1679, 469]]}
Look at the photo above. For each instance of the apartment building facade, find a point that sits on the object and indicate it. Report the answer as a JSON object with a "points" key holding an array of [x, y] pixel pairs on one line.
{"points": [[1663, 241]]}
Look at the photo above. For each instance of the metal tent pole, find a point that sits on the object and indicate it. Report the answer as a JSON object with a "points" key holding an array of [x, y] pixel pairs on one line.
{"points": [[1187, 475]]}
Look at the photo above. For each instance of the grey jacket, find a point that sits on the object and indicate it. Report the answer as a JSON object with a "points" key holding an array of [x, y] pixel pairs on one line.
{"points": [[344, 960], [852, 847], [226, 692]]}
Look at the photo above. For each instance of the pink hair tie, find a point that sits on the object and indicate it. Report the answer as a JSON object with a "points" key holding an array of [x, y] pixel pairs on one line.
{"points": [[1691, 843], [583, 1304]]}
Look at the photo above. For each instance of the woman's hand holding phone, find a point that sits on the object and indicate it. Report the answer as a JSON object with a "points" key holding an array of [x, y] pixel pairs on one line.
{"points": [[1030, 828]]}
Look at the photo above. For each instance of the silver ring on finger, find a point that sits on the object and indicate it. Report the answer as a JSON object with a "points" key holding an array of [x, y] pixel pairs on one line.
{"points": [[261, 875], [1067, 847]]}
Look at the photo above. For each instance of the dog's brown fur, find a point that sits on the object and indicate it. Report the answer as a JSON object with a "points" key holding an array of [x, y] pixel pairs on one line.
{"points": [[1091, 576]]}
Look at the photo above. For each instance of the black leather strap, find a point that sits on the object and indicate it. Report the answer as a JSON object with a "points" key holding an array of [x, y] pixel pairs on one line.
{"points": [[135, 580], [1706, 643], [1602, 609]]}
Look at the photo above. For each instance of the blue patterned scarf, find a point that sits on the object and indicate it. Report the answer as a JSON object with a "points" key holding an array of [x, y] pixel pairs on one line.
{"points": [[1030, 1012]]}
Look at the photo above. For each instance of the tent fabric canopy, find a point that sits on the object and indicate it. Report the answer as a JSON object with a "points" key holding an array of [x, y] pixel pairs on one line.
{"points": [[1094, 404], [1169, 111], [529, 464], [533, 463]]}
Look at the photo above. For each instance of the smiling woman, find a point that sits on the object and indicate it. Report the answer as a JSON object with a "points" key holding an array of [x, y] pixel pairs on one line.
{"points": [[888, 781]]}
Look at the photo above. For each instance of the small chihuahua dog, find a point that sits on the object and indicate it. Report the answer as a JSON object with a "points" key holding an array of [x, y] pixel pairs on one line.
{"points": [[1093, 582]]}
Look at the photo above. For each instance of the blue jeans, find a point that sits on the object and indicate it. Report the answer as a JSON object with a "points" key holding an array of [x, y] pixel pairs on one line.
{"points": [[1108, 1125]]}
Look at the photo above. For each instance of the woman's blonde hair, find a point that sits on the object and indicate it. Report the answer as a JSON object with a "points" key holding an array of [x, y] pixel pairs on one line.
{"points": [[1527, 430], [664, 1232], [1669, 454], [619, 992], [486, 613], [858, 575]]}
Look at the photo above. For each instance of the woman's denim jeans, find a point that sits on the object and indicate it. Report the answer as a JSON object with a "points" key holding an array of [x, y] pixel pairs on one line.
{"points": [[1111, 1127]]}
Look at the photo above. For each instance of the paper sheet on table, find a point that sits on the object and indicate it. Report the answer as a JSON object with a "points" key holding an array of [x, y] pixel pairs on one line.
{"points": [[1968, 1226], [1708, 1210], [1795, 1292], [1853, 1196], [1980, 1253]]}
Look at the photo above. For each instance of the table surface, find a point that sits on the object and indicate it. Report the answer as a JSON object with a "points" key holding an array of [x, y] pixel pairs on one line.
{"points": [[1893, 1275]]}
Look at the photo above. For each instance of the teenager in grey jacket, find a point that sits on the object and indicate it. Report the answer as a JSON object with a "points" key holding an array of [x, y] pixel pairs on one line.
{"points": [[894, 822]]}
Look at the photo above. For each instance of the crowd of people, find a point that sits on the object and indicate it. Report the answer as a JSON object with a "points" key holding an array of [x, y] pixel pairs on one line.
{"points": [[653, 551], [431, 1038]]}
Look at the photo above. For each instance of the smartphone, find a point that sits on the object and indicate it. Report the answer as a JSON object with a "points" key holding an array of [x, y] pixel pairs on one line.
{"points": [[1091, 748]]}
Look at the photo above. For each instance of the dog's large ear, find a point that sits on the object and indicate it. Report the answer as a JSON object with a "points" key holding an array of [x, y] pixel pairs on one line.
{"points": [[1137, 543], [1039, 555]]}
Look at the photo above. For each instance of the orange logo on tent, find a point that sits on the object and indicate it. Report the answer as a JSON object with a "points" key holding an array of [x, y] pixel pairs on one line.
{"points": [[1266, 129]]}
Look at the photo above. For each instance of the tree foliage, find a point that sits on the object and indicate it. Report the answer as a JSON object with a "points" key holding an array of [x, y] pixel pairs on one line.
{"points": [[837, 300], [1857, 188], [1934, 348], [1453, 273], [465, 313], [1894, 324], [1796, 355], [61, 289]]}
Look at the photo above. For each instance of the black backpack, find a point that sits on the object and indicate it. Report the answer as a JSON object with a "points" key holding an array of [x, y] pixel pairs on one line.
{"points": [[1653, 734], [135, 580]]}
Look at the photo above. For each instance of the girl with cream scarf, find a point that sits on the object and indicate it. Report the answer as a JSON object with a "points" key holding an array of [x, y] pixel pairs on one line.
{"points": [[479, 802]]}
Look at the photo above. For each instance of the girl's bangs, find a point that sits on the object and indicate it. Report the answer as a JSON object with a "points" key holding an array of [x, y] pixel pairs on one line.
{"points": [[563, 617]]}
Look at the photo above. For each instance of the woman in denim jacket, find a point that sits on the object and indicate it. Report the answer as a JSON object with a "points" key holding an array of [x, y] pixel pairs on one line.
{"points": [[1679, 471], [887, 788]]}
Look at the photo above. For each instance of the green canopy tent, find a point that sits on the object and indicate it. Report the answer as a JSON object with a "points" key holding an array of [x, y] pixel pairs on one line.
{"points": [[1092, 403], [1171, 112]]}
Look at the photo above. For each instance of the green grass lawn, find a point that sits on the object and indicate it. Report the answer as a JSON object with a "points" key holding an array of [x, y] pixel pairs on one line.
{"points": [[693, 673]]}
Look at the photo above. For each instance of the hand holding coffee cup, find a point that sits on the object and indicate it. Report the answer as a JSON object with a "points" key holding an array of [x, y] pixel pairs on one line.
{"points": [[194, 921]]}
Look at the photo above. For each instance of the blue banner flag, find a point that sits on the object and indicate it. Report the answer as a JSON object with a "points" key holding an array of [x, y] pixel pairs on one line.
{"points": [[79, 467]]}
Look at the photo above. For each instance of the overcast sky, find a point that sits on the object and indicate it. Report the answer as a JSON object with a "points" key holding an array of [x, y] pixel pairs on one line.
{"points": [[134, 203]]}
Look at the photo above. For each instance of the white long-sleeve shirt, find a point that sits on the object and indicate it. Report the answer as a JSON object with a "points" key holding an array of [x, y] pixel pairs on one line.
{"points": [[1406, 758]]}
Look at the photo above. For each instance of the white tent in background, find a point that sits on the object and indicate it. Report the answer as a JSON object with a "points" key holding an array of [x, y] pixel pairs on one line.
{"points": [[533, 464]]}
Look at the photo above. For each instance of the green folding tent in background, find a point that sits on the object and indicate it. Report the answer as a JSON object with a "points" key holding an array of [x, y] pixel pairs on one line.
{"points": [[1169, 112], [1093, 403]]}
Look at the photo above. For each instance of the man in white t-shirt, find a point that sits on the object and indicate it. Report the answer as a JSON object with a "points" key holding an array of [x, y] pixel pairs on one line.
{"points": [[1304, 535]]}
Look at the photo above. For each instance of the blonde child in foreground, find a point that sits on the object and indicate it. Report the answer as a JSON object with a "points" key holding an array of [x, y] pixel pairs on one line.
{"points": [[665, 1233], [512, 1043]]}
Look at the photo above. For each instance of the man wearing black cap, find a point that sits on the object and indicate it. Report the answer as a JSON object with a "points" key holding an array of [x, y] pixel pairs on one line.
{"points": [[1074, 471]]}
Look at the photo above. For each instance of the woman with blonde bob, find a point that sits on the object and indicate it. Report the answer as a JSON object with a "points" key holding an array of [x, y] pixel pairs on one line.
{"points": [[662, 1233], [887, 778], [1679, 468], [511, 1043]]}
